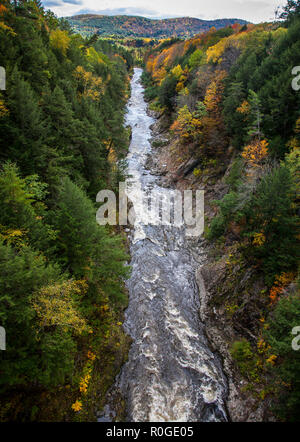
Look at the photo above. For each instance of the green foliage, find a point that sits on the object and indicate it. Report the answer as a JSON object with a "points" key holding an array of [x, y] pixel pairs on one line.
{"points": [[151, 93], [291, 11], [255, 115], [265, 69], [197, 59], [62, 137], [272, 211], [234, 95], [245, 359], [279, 335], [167, 92], [21, 274], [20, 209], [228, 212], [234, 178], [84, 247], [217, 228]]}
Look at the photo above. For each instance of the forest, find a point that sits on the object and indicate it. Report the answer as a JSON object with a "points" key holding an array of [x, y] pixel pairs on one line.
{"points": [[62, 140], [226, 100], [142, 27]]}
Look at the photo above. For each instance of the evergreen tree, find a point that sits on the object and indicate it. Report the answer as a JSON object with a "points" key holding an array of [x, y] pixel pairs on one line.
{"points": [[25, 134], [284, 319], [21, 274], [271, 211], [85, 248]]}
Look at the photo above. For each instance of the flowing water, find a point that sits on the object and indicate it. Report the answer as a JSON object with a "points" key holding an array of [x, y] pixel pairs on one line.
{"points": [[171, 374]]}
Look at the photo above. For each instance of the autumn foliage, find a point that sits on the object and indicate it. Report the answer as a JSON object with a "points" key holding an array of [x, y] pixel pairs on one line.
{"points": [[255, 152], [281, 282]]}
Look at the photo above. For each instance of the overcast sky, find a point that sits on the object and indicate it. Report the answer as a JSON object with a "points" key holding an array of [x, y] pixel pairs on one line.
{"points": [[252, 10]]}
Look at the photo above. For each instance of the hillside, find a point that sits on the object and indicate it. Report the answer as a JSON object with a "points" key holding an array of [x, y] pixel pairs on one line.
{"points": [[228, 123], [56, 129], [124, 26]]}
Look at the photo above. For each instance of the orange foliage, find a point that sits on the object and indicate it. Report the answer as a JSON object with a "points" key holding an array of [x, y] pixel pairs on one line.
{"points": [[244, 108], [280, 284], [158, 65], [213, 127], [255, 152], [3, 11], [214, 92]]}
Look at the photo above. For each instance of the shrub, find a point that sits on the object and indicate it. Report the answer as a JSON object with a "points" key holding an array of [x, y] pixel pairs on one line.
{"points": [[245, 359]]}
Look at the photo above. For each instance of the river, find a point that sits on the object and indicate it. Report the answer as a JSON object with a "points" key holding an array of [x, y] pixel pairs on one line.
{"points": [[171, 374]]}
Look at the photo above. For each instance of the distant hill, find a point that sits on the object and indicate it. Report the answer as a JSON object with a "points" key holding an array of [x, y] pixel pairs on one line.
{"points": [[129, 26]]}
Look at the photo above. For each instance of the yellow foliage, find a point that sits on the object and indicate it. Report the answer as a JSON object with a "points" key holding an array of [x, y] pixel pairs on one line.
{"points": [[183, 126], [13, 236], [259, 239], [94, 56], [55, 305], [92, 85], [177, 71], [84, 382], [179, 87], [214, 52], [237, 40], [60, 40], [262, 346], [77, 406], [91, 355], [271, 360]]}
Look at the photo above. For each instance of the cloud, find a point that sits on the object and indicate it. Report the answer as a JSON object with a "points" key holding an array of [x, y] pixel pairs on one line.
{"points": [[73, 2], [144, 12], [252, 10], [58, 3], [52, 3]]}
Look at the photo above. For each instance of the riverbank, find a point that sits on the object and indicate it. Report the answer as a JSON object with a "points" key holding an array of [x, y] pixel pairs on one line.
{"points": [[215, 274]]}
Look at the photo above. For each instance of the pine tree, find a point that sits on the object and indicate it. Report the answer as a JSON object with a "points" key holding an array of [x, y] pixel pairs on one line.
{"points": [[85, 248], [271, 212], [27, 131], [21, 274]]}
